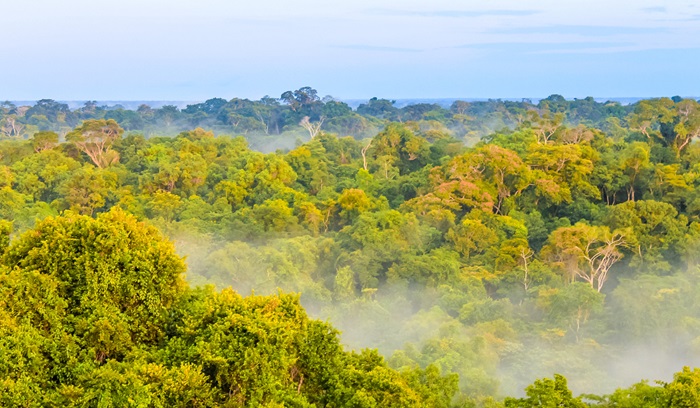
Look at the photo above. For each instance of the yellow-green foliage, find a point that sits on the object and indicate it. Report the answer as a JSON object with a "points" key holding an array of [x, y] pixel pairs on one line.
{"points": [[94, 312]]}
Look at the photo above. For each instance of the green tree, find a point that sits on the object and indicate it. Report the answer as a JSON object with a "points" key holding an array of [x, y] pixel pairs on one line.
{"points": [[547, 393], [113, 272], [44, 141], [654, 229], [5, 231], [88, 189]]}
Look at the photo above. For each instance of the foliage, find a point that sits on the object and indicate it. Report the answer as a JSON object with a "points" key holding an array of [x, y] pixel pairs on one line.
{"points": [[94, 313], [494, 240]]}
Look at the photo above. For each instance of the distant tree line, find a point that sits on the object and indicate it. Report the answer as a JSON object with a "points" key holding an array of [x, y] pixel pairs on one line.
{"points": [[302, 110]]}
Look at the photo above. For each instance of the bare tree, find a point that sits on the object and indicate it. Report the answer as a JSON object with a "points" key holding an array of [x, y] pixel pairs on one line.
{"points": [[364, 154], [11, 128], [95, 138], [601, 256], [576, 135], [545, 126], [525, 257], [585, 252], [265, 126], [688, 127], [312, 127]]}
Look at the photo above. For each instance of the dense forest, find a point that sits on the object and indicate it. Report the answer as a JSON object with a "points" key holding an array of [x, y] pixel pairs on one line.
{"points": [[270, 123], [463, 254]]}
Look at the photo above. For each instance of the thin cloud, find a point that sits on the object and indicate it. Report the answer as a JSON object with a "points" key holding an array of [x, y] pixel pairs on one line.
{"points": [[694, 17], [654, 9], [585, 47], [453, 13], [615, 50], [363, 47], [586, 31], [544, 47]]}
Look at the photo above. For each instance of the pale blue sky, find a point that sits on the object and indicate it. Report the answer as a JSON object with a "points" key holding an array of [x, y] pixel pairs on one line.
{"points": [[194, 50]]}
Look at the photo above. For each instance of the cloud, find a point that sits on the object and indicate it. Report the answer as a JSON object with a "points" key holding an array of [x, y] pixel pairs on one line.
{"points": [[654, 9], [694, 17], [452, 13], [582, 30], [363, 47], [547, 47], [522, 48]]}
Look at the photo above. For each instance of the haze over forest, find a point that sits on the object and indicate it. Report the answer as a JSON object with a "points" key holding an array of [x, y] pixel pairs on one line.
{"points": [[476, 248], [445, 204]]}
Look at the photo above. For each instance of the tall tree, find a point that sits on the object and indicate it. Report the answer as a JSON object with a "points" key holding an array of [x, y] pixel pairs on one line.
{"points": [[585, 252], [95, 138]]}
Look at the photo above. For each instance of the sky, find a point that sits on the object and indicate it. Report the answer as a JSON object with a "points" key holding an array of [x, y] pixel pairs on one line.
{"points": [[196, 50]]}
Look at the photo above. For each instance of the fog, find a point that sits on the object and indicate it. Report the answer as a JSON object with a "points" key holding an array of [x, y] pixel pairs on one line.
{"points": [[491, 357]]}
